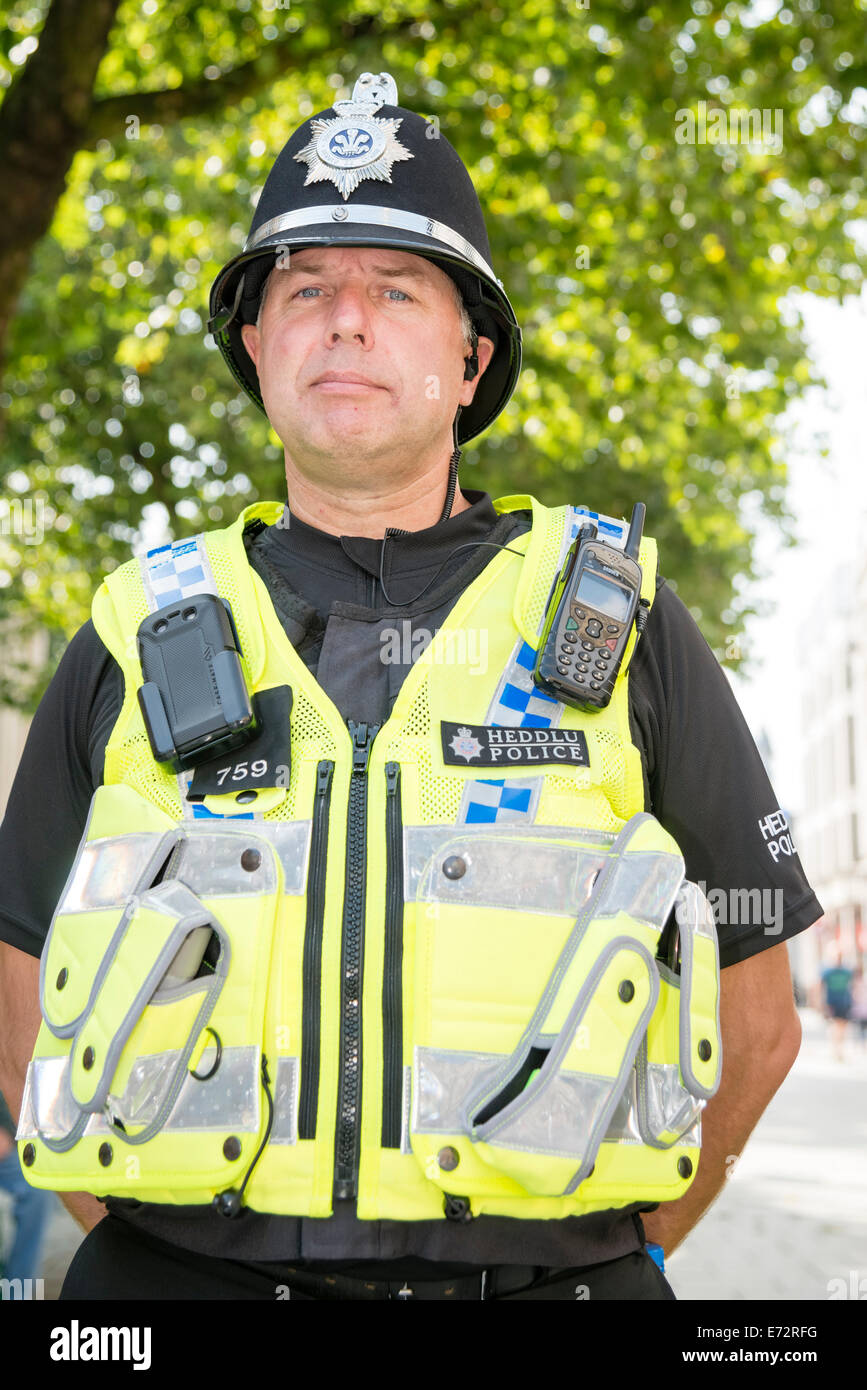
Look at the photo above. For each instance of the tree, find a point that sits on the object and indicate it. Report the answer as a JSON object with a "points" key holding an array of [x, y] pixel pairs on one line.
{"points": [[647, 271]]}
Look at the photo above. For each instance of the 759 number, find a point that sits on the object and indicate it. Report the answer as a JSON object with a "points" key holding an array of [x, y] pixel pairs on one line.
{"points": [[258, 768]]}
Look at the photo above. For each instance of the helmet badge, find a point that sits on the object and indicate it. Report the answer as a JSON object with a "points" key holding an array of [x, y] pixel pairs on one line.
{"points": [[355, 145]]}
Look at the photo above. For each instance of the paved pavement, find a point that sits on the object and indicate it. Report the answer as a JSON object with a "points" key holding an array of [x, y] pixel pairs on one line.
{"points": [[792, 1218]]}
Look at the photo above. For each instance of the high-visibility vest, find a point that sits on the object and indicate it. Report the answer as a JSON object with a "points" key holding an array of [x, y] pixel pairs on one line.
{"points": [[432, 981]]}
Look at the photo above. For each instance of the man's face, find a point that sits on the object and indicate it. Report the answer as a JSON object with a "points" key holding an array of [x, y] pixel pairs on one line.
{"points": [[387, 316]]}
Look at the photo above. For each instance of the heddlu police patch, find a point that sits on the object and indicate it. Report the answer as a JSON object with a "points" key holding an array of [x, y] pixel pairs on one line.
{"points": [[484, 745]]}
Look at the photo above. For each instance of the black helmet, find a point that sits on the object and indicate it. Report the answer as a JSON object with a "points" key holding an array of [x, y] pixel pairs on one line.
{"points": [[401, 184]]}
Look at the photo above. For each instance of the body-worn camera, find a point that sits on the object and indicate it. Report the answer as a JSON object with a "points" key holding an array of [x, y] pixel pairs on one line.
{"points": [[194, 699], [590, 617]]}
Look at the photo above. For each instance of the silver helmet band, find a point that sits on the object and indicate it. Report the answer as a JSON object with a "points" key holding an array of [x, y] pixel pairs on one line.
{"points": [[371, 215]]}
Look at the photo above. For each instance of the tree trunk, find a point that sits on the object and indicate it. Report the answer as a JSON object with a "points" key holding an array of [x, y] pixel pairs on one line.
{"points": [[42, 122]]}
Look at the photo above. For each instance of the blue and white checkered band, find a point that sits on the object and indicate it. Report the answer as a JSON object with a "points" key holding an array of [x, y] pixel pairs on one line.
{"points": [[201, 812], [170, 574], [518, 703], [612, 531], [173, 572]]}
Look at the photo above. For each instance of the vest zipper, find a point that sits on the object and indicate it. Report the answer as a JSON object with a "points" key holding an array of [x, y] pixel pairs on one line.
{"points": [[312, 965], [392, 977], [352, 963]]}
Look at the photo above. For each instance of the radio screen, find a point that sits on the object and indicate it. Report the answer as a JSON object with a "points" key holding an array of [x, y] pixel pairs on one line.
{"points": [[602, 595]]}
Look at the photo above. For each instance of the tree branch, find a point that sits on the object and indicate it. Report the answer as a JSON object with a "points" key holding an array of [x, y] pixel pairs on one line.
{"points": [[201, 96]]}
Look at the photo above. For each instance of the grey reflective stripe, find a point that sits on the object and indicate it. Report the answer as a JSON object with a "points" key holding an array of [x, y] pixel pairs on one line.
{"points": [[425, 845], [513, 874], [211, 863], [692, 908], [227, 1101], [645, 885], [108, 870], [665, 1109], [326, 214], [405, 1145], [443, 1082], [291, 840], [624, 1127], [284, 1130], [142, 867], [47, 1108], [443, 1079]]}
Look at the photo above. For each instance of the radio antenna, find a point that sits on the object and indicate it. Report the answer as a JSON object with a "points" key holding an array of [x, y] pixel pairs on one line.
{"points": [[636, 527]]}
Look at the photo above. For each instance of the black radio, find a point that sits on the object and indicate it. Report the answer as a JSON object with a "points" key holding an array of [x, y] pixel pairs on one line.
{"points": [[590, 616]]}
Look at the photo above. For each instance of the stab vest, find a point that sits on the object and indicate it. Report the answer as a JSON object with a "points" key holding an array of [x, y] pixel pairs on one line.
{"points": [[434, 984]]}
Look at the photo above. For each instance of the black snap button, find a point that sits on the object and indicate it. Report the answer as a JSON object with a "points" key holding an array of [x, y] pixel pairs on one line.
{"points": [[105, 1154], [250, 860], [232, 1148], [88, 1059], [62, 978], [448, 1158], [457, 1208], [626, 990], [704, 1050], [684, 1167], [454, 866], [28, 1155], [227, 1203], [244, 797]]}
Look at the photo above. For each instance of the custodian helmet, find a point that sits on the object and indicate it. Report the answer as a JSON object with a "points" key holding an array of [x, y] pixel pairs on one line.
{"points": [[397, 182]]}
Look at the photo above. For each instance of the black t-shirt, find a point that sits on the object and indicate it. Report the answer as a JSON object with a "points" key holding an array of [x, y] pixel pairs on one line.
{"points": [[704, 781]]}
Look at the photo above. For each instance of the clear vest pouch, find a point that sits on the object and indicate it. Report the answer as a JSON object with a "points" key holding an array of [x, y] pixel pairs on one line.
{"points": [[589, 1041], [153, 986]]}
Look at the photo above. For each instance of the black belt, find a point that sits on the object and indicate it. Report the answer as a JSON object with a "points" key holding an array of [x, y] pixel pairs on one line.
{"points": [[488, 1283]]}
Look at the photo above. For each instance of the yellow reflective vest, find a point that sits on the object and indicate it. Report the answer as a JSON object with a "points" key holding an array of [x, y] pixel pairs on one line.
{"points": [[427, 972]]}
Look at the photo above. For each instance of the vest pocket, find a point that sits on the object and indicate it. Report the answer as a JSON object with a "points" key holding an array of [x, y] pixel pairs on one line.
{"points": [[547, 1137], [529, 1020], [147, 989], [152, 992], [166, 1057]]}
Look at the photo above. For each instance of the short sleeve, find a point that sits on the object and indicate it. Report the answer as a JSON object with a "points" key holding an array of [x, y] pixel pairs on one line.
{"points": [[708, 786]]}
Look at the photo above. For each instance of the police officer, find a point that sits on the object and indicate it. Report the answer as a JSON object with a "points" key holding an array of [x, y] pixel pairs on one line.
{"points": [[403, 994]]}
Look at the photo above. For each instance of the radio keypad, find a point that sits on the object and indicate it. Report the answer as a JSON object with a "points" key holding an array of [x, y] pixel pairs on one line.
{"points": [[591, 642]]}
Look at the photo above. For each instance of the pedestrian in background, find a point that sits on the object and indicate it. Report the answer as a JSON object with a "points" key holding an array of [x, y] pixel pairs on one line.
{"points": [[837, 988]]}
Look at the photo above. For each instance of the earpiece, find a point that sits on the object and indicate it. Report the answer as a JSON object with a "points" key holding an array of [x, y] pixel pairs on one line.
{"points": [[471, 363]]}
